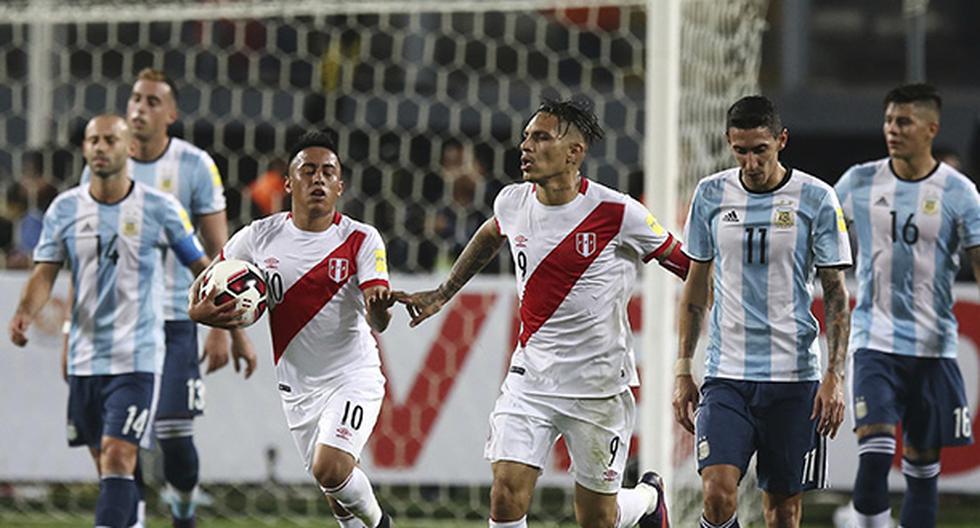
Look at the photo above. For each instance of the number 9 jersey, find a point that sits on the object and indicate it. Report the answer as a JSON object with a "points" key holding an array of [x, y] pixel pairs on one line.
{"points": [[576, 265], [765, 247]]}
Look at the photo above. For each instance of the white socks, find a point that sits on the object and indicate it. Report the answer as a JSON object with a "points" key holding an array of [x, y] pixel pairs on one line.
{"points": [[521, 523], [635, 503], [357, 497], [879, 520]]}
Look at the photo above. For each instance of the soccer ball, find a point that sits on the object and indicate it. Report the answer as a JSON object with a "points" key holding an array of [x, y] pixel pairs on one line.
{"points": [[237, 281]]}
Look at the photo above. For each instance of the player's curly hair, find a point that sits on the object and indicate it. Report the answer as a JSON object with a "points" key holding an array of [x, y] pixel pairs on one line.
{"points": [[325, 138], [754, 111], [577, 112], [920, 93]]}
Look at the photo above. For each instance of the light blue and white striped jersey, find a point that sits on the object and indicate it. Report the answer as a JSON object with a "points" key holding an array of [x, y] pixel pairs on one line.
{"points": [[765, 248], [114, 255], [190, 175], [908, 237]]}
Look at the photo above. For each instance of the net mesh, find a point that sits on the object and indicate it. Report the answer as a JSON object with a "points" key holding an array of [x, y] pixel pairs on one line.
{"points": [[428, 100]]}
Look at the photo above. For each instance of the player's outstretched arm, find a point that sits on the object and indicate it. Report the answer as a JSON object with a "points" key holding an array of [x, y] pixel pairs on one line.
{"points": [[828, 406], [479, 251], [35, 294], [694, 302], [378, 300]]}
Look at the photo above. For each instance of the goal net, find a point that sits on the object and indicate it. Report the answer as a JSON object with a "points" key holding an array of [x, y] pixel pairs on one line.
{"points": [[428, 99]]}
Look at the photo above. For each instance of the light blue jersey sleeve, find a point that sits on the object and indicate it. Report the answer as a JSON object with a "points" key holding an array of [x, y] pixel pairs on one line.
{"points": [[968, 213], [698, 236], [179, 232], [51, 245], [844, 188], [207, 192], [831, 246]]}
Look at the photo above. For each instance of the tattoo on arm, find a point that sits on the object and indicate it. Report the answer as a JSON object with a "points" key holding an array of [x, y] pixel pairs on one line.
{"points": [[837, 314], [691, 331], [476, 255]]}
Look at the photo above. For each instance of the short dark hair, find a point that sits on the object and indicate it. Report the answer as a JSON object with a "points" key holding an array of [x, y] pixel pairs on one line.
{"points": [[150, 74], [577, 112], [754, 111], [914, 93], [314, 138]]}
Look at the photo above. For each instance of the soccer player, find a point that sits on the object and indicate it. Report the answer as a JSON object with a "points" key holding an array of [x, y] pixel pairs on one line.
{"points": [[577, 245], [911, 215], [177, 167], [758, 232], [327, 279], [110, 232]]}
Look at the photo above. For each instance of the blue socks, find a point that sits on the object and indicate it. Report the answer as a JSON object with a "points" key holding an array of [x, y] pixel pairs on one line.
{"points": [[180, 463], [730, 523], [921, 500], [875, 455], [117, 499]]}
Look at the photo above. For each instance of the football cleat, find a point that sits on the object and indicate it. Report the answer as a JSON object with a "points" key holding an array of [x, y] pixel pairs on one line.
{"points": [[658, 517]]}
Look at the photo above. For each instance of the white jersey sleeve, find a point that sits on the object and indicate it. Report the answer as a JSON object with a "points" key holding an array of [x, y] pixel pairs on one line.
{"points": [[642, 233], [831, 245], [372, 261], [239, 246], [207, 193], [51, 245]]}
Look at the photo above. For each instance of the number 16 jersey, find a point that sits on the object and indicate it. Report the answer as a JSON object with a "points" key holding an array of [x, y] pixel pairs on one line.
{"points": [[576, 265]]}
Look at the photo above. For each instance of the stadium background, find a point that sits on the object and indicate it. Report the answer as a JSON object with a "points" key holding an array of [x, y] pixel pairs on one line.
{"points": [[428, 100]]}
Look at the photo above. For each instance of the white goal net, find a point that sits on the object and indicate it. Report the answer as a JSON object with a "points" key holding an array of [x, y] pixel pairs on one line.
{"points": [[428, 99]]}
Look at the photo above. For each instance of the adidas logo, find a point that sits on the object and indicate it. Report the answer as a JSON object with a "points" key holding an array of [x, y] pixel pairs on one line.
{"points": [[86, 228], [730, 216], [882, 201]]}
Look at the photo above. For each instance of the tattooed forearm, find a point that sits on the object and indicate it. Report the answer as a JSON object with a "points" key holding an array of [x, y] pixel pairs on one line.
{"points": [[476, 255], [691, 322], [837, 314]]}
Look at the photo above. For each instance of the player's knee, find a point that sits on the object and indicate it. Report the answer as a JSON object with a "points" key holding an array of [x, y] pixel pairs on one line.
{"points": [[508, 500], [720, 499], [920, 456], [331, 470], [117, 457], [875, 430], [785, 514]]}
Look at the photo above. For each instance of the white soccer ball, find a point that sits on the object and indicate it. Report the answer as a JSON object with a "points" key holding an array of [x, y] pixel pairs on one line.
{"points": [[237, 281]]}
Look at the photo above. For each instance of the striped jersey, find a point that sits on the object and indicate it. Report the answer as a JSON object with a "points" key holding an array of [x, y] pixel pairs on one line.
{"points": [[575, 268], [190, 175], [908, 236], [315, 281], [765, 247], [113, 251]]}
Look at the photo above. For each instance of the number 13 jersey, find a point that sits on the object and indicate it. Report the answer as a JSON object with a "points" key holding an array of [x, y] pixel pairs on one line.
{"points": [[575, 268]]}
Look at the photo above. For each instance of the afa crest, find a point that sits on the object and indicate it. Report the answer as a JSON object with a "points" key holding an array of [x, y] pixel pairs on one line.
{"points": [[784, 219], [338, 269], [930, 205]]}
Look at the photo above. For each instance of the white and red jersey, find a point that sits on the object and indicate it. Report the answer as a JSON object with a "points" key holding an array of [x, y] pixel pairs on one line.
{"points": [[315, 282], [576, 265]]}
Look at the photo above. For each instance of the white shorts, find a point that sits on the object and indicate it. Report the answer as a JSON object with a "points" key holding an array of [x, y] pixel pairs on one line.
{"points": [[597, 431], [340, 415]]}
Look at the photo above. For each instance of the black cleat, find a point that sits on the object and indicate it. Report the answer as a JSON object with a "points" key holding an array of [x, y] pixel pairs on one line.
{"points": [[658, 518], [385, 521]]}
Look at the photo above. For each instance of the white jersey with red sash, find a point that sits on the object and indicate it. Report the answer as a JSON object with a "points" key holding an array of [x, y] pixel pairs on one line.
{"points": [[576, 265], [315, 282]]}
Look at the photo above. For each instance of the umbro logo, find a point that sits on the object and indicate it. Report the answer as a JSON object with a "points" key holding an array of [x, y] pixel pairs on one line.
{"points": [[730, 216], [882, 201]]}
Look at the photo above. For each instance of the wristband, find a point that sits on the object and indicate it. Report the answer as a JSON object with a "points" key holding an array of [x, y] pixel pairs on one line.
{"points": [[682, 367], [66, 327]]}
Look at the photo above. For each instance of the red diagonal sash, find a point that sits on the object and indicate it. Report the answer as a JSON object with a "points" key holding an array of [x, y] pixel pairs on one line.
{"points": [[558, 272], [308, 295]]}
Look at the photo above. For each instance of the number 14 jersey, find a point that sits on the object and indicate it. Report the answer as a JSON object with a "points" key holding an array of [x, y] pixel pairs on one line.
{"points": [[576, 265]]}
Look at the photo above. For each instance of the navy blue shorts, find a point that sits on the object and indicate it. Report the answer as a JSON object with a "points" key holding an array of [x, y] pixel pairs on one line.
{"points": [[181, 387], [113, 405], [736, 419], [926, 395]]}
